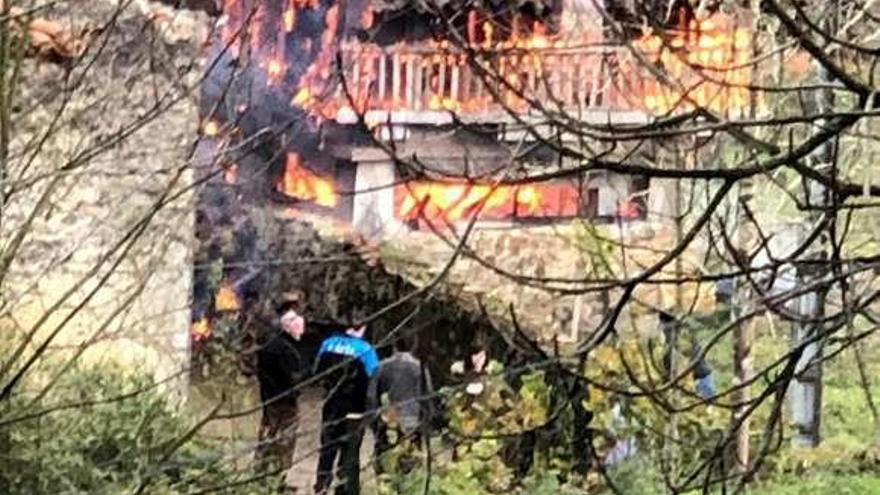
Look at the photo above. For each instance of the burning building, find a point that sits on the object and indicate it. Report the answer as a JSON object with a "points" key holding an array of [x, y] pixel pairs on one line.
{"points": [[400, 118]]}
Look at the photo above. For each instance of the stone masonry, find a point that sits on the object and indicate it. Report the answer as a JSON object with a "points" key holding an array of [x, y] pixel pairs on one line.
{"points": [[100, 164]]}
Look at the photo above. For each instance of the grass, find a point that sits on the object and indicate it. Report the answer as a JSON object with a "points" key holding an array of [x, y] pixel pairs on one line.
{"points": [[847, 428], [822, 483], [845, 410]]}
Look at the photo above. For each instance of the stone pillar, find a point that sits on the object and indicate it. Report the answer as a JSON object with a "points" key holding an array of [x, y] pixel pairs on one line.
{"points": [[661, 207], [373, 214]]}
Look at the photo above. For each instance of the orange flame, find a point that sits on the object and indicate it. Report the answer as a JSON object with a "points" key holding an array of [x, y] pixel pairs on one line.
{"points": [[211, 128], [316, 78], [230, 173], [274, 70], [201, 330], [710, 61], [302, 97], [455, 201], [298, 182], [629, 210], [226, 299], [289, 18]]}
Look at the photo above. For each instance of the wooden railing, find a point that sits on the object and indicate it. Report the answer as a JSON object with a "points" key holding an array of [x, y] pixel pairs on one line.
{"points": [[423, 78]]}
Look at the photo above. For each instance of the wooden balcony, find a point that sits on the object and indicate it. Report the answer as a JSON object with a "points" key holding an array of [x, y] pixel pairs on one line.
{"points": [[424, 84]]}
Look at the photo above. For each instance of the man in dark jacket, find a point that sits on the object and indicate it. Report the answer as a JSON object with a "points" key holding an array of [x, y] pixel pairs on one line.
{"points": [[406, 384], [281, 365], [345, 364]]}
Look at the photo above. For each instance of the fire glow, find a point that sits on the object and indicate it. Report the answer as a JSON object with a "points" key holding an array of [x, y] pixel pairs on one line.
{"points": [[248, 24], [711, 62], [211, 128], [201, 330], [449, 201], [300, 183], [707, 64], [230, 173], [226, 299]]}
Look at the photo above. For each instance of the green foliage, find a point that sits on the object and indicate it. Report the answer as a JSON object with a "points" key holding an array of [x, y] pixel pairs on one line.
{"points": [[636, 475], [597, 249], [226, 340], [624, 367], [821, 482], [111, 445], [479, 425], [486, 422]]}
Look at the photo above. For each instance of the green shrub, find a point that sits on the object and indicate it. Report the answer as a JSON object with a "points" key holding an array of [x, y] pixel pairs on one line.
{"points": [[93, 434]]}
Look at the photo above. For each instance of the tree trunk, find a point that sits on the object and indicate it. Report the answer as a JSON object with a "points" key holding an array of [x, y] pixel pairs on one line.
{"points": [[806, 389], [742, 340]]}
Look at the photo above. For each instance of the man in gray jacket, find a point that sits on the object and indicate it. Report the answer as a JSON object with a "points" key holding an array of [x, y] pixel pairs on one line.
{"points": [[400, 397]]}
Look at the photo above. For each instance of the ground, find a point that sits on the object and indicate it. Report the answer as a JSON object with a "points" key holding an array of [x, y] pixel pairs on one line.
{"points": [[239, 434]]}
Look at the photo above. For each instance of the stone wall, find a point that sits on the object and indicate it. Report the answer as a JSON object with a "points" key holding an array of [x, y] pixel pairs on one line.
{"points": [[345, 279], [510, 263], [535, 270], [100, 152]]}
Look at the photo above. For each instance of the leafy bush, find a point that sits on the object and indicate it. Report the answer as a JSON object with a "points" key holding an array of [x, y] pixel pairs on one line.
{"points": [[482, 441], [102, 430], [486, 430]]}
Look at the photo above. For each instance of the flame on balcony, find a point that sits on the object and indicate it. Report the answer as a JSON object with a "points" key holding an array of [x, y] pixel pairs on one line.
{"points": [[711, 60], [518, 63], [275, 68], [201, 330], [226, 299], [300, 183], [313, 89], [708, 66], [449, 201], [271, 31]]}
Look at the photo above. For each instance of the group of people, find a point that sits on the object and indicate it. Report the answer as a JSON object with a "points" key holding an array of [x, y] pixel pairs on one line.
{"points": [[360, 392]]}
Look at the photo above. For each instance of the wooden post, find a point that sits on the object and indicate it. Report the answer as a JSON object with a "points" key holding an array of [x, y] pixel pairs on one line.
{"points": [[465, 83], [355, 75], [530, 59], [479, 80], [578, 83], [441, 79], [595, 82], [383, 68], [395, 79], [742, 333], [418, 84], [453, 85], [742, 338], [409, 61]]}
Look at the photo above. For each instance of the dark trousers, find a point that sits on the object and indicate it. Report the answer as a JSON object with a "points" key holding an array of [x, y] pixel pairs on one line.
{"points": [[277, 436], [382, 434], [340, 437]]}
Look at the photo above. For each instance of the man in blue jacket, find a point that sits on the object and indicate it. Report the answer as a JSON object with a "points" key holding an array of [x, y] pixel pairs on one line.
{"points": [[346, 363]]}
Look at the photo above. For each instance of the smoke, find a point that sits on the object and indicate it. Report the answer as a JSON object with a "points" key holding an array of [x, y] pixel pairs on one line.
{"points": [[268, 64]]}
